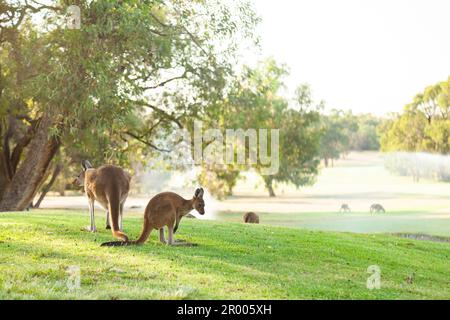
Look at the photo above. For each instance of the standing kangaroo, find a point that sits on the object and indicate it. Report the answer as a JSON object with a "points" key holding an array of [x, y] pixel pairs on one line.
{"points": [[109, 185], [165, 209]]}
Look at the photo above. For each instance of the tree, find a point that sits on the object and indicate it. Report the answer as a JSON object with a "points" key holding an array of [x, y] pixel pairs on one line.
{"points": [[127, 73], [220, 182], [255, 101], [423, 127], [364, 136], [424, 124], [299, 150], [337, 128], [343, 132]]}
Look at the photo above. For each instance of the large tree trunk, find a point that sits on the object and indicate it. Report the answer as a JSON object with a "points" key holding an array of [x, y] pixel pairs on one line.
{"points": [[268, 180], [269, 186], [4, 179], [271, 191], [24, 185]]}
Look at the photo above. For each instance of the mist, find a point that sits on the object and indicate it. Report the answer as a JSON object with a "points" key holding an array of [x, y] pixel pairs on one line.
{"points": [[419, 165], [150, 180]]}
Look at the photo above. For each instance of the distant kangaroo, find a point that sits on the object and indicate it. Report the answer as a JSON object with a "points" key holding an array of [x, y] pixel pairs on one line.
{"points": [[165, 209], [109, 185], [376, 208], [345, 208], [251, 217]]}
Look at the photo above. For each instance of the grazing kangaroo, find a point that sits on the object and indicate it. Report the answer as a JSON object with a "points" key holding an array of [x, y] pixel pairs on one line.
{"points": [[251, 217], [376, 208], [345, 208], [109, 185], [165, 209]]}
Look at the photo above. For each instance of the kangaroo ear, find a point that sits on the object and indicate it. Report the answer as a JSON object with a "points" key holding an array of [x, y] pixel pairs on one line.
{"points": [[86, 165], [199, 193]]}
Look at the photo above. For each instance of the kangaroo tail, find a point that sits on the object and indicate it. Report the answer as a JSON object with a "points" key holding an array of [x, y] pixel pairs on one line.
{"points": [[114, 211], [146, 229]]}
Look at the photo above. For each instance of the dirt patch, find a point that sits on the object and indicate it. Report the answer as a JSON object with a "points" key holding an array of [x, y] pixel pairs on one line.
{"points": [[423, 237]]}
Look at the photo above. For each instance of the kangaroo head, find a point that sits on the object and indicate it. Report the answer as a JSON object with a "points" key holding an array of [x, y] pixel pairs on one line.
{"points": [[79, 180], [198, 202]]}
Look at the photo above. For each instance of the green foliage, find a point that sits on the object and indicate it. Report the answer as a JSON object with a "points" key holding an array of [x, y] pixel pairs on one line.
{"points": [[219, 181], [299, 147], [424, 125], [255, 101], [343, 132], [335, 135], [134, 71], [365, 138]]}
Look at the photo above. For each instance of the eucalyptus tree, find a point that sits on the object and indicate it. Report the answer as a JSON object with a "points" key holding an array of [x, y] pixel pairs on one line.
{"points": [[257, 101], [132, 68], [424, 124]]}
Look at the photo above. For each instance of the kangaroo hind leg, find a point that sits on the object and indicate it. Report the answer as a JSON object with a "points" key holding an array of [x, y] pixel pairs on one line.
{"points": [[108, 223], [91, 227], [122, 205], [162, 239]]}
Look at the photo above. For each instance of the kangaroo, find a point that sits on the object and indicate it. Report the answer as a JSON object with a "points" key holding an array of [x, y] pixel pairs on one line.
{"points": [[109, 185], [376, 208], [345, 208], [251, 217], [165, 209]]}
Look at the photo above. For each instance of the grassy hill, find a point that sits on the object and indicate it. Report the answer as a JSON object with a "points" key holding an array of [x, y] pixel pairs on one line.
{"points": [[231, 261]]}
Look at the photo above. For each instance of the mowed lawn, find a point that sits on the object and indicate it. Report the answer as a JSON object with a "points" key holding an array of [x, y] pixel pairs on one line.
{"points": [[424, 221], [231, 261]]}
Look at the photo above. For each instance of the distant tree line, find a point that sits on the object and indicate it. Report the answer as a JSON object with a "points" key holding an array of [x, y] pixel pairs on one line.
{"points": [[343, 131]]}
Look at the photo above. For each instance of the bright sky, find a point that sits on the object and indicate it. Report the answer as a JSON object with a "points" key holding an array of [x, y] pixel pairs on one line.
{"points": [[364, 55]]}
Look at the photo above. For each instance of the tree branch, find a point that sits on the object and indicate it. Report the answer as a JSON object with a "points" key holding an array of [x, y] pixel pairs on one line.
{"points": [[141, 139], [162, 84], [193, 38], [46, 189], [171, 117]]}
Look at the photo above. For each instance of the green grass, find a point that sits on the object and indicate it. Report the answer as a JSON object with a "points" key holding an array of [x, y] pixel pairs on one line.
{"points": [[231, 261], [399, 221]]}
